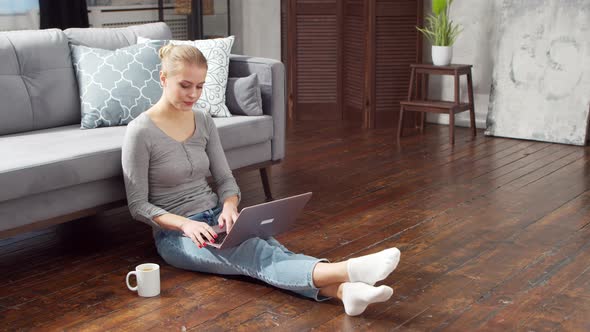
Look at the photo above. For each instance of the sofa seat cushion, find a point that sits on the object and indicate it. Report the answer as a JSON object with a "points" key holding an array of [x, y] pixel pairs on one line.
{"points": [[239, 131], [49, 159]]}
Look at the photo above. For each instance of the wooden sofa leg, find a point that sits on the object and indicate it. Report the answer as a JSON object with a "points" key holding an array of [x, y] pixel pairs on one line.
{"points": [[265, 176]]}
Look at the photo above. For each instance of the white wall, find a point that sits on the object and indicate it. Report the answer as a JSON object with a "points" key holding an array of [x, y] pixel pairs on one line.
{"points": [[474, 46], [257, 27]]}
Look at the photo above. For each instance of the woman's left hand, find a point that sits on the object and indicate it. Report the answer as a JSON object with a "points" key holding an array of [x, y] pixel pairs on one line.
{"points": [[228, 215]]}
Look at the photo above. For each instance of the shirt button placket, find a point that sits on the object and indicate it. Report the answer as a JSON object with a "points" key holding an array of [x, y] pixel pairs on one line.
{"points": [[188, 157]]}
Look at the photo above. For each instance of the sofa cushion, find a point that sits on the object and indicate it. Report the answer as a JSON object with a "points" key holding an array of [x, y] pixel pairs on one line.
{"points": [[216, 51], [37, 83], [114, 38], [239, 130], [249, 155], [116, 86], [38, 86], [50, 159]]}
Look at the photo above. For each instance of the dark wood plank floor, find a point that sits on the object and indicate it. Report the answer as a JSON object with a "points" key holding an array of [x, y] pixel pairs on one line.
{"points": [[493, 232]]}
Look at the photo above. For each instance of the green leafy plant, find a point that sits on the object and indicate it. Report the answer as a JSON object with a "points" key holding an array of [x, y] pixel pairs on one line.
{"points": [[439, 29]]}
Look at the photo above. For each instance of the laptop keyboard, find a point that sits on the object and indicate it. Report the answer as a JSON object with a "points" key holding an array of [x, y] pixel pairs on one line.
{"points": [[220, 237]]}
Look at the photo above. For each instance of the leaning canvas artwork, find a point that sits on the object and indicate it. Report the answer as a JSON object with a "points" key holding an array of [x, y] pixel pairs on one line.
{"points": [[541, 83]]}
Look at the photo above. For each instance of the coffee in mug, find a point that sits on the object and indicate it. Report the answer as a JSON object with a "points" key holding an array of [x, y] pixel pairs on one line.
{"points": [[148, 280]]}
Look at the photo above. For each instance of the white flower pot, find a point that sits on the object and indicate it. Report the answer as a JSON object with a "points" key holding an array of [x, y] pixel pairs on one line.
{"points": [[442, 55]]}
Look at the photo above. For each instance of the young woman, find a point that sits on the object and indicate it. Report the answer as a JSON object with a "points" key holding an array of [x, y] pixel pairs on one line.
{"points": [[167, 154]]}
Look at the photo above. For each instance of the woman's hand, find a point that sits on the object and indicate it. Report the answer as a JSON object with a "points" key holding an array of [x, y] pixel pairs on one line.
{"points": [[199, 232], [229, 214]]}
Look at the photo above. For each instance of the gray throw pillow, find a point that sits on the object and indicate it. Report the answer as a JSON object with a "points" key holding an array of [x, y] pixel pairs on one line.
{"points": [[243, 95], [116, 86]]}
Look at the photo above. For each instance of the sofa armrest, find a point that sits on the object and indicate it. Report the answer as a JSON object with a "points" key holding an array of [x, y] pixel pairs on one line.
{"points": [[271, 75]]}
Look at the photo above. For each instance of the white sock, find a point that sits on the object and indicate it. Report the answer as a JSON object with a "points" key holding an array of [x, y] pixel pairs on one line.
{"points": [[372, 268], [356, 296]]}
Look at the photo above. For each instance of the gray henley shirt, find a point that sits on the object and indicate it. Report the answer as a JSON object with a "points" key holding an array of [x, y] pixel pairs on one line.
{"points": [[163, 175]]}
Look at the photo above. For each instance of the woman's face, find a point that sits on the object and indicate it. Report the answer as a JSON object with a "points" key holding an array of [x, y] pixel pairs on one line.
{"points": [[184, 88]]}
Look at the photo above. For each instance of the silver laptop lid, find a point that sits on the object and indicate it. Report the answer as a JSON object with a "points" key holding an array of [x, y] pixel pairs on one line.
{"points": [[266, 219]]}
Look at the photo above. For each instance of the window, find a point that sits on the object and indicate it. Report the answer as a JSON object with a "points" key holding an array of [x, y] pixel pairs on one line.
{"points": [[19, 15]]}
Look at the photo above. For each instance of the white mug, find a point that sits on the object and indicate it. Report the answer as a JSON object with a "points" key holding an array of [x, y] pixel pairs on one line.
{"points": [[148, 280]]}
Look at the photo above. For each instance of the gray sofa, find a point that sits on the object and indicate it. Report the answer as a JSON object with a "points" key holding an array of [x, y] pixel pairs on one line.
{"points": [[52, 171]]}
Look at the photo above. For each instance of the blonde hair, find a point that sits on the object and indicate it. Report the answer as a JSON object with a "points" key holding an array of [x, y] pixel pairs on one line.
{"points": [[175, 56]]}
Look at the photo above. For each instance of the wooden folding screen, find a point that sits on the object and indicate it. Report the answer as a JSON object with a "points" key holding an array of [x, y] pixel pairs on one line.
{"points": [[349, 59], [313, 47], [353, 76], [396, 44]]}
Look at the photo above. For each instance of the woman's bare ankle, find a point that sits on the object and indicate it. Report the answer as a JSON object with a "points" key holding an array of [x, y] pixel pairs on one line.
{"points": [[325, 274]]}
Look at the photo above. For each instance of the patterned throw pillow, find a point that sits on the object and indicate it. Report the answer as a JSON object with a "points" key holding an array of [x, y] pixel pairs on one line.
{"points": [[116, 86], [216, 51]]}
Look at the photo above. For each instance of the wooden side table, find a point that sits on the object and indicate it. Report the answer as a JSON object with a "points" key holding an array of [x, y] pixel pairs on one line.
{"points": [[422, 104]]}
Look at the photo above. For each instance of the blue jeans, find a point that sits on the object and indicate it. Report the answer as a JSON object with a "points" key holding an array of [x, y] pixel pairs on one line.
{"points": [[263, 259]]}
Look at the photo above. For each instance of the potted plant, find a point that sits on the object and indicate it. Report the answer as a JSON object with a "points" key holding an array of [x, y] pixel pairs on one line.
{"points": [[441, 32]]}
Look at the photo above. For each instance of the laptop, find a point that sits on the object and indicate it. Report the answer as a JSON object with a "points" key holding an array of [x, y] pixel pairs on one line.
{"points": [[262, 220]]}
